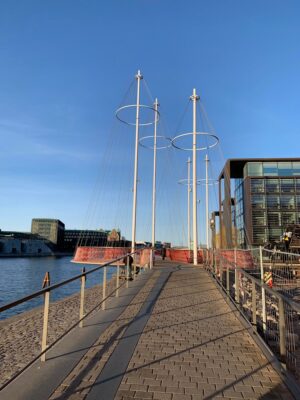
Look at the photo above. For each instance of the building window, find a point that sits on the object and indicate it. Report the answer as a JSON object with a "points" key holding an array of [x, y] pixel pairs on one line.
{"points": [[273, 202], [296, 168], [259, 217], [274, 219], [288, 218], [287, 185], [285, 169], [255, 169], [258, 201], [287, 202], [257, 185], [272, 185], [270, 169]]}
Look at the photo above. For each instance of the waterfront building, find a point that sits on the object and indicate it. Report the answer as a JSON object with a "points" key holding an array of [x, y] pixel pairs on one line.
{"points": [[87, 237], [22, 244], [258, 199], [50, 229]]}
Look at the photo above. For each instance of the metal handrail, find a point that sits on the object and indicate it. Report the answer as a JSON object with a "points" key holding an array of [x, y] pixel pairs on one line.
{"points": [[59, 284]]}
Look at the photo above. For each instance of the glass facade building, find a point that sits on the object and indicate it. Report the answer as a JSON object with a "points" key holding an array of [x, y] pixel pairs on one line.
{"points": [[267, 199]]}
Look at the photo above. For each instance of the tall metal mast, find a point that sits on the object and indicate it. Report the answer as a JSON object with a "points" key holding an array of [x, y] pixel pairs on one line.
{"points": [[189, 202], [206, 201], [195, 98], [138, 78], [154, 171]]}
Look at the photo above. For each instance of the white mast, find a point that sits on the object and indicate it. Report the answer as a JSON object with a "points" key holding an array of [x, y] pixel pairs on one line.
{"points": [[189, 202], [154, 172], [195, 98], [138, 78], [206, 201]]}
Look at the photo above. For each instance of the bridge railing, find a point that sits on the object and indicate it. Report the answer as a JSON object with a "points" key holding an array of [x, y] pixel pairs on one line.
{"points": [[274, 315], [47, 289]]}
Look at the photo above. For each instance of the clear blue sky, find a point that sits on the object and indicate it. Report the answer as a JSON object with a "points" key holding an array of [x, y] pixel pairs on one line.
{"points": [[65, 65]]}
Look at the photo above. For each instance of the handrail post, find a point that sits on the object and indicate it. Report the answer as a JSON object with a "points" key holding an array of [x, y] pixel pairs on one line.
{"points": [[282, 339], [127, 272], [227, 279], [253, 303], [263, 291], [46, 282], [237, 286], [221, 271], [104, 288], [118, 280], [235, 275], [81, 309]]}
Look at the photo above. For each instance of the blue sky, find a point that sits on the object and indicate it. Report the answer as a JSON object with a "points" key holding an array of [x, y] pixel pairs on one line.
{"points": [[64, 69]]}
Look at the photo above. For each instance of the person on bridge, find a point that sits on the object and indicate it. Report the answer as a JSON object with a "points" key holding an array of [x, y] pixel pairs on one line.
{"points": [[128, 259], [163, 252]]}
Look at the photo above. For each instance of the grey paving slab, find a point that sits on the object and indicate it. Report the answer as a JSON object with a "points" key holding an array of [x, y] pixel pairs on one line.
{"points": [[107, 384], [41, 379]]}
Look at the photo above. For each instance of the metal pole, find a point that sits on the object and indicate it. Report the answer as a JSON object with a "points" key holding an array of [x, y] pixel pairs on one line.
{"points": [[154, 172], [138, 78], [282, 329], [236, 281], [194, 98], [151, 258], [206, 201], [46, 283], [263, 291], [127, 272], [189, 203], [118, 280], [253, 303], [81, 309], [104, 288]]}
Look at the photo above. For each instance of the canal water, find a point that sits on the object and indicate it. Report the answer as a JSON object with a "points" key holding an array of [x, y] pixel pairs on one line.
{"points": [[22, 276]]}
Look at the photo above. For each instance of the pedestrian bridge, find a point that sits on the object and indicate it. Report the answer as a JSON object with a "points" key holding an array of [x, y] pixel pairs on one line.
{"points": [[172, 334]]}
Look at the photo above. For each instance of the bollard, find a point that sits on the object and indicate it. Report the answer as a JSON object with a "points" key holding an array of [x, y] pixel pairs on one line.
{"points": [[104, 288], [81, 309], [118, 280], [282, 328], [253, 303], [46, 282]]}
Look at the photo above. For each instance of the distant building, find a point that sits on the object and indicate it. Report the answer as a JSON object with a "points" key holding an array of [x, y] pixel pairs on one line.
{"points": [[22, 244], [114, 236], [50, 229], [266, 200], [73, 237]]}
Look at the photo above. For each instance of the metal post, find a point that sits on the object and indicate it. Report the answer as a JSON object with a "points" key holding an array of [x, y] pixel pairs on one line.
{"points": [[237, 286], [189, 203], [206, 201], [81, 308], [227, 279], [151, 258], [253, 303], [236, 278], [154, 172], [282, 339], [221, 271], [195, 98], [118, 280], [263, 291], [138, 78], [127, 272], [104, 288], [46, 282]]}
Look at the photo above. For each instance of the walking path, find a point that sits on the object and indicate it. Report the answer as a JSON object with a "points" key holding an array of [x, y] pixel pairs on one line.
{"points": [[170, 336]]}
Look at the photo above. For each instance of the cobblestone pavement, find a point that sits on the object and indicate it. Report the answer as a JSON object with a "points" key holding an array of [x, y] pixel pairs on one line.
{"points": [[20, 336], [194, 347]]}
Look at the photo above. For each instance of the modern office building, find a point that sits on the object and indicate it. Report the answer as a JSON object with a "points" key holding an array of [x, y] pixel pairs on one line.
{"points": [[258, 198], [50, 229], [73, 237]]}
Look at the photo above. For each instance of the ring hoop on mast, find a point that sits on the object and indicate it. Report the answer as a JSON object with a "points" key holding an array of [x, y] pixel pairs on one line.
{"points": [[168, 140], [117, 113], [187, 182], [210, 146]]}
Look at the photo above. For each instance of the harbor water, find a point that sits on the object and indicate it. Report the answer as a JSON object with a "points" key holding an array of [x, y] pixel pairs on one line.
{"points": [[21, 276]]}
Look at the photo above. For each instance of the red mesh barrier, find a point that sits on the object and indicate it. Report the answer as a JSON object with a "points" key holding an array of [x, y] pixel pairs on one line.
{"points": [[103, 255], [184, 255], [243, 257]]}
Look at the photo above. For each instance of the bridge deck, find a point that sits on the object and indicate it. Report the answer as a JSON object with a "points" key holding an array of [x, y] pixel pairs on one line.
{"points": [[170, 336]]}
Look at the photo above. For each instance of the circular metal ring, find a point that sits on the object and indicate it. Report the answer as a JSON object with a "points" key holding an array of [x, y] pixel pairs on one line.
{"points": [[198, 148], [211, 183], [157, 148], [133, 123], [186, 181]]}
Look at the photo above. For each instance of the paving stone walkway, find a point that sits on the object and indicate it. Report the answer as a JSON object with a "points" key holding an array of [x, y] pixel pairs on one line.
{"points": [[178, 339]]}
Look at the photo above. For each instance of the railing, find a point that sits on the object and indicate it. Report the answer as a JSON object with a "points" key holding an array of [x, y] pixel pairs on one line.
{"points": [[47, 289], [275, 316]]}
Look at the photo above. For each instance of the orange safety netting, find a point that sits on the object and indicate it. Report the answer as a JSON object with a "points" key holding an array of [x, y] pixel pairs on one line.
{"points": [[103, 255], [184, 255]]}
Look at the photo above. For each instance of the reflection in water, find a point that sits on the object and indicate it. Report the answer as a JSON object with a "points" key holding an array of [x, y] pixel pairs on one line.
{"points": [[22, 276]]}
